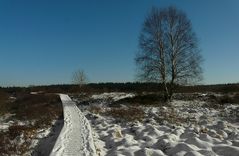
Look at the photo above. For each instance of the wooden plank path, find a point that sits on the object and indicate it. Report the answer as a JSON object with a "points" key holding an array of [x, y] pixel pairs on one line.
{"points": [[75, 138]]}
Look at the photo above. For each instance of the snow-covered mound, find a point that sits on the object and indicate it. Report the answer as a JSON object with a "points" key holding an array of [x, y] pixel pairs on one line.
{"points": [[75, 137]]}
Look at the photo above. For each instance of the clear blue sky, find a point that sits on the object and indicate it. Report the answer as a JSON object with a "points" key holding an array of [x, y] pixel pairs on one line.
{"points": [[45, 41]]}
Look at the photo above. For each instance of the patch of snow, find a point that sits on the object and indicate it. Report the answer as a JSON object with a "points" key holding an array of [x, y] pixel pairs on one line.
{"points": [[114, 95], [5, 123]]}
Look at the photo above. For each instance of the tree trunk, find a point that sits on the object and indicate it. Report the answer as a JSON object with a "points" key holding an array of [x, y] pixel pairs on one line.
{"points": [[166, 92]]}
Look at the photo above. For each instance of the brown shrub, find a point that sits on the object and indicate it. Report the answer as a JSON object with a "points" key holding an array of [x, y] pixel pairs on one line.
{"points": [[225, 99], [6, 146], [17, 130], [171, 116], [35, 107], [236, 98], [4, 107], [9, 145], [127, 114], [218, 102]]}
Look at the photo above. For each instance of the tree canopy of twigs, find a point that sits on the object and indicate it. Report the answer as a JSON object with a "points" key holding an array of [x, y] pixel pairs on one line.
{"points": [[168, 50], [79, 77]]}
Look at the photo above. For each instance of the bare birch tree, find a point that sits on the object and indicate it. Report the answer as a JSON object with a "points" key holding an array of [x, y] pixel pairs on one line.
{"points": [[79, 77], [169, 51]]}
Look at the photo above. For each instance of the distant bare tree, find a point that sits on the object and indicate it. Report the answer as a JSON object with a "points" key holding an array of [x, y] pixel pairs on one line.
{"points": [[79, 77], [169, 51]]}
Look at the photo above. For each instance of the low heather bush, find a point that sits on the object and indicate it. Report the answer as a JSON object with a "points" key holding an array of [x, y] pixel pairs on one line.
{"points": [[126, 113]]}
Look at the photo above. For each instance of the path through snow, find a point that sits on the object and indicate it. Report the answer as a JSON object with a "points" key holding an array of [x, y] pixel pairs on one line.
{"points": [[75, 137]]}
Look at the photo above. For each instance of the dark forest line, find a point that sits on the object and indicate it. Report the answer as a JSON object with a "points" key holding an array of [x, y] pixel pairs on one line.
{"points": [[121, 87]]}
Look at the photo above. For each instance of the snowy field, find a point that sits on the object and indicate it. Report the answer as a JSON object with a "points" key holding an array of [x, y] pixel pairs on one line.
{"points": [[182, 128], [129, 124]]}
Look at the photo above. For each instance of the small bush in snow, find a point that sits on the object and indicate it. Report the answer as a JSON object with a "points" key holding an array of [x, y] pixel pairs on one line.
{"points": [[96, 109], [171, 116]]}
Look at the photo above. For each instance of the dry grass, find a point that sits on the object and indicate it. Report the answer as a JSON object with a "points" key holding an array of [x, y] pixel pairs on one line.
{"points": [[126, 114], [17, 140], [120, 113], [4, 107], [233, 99], [171, 116], [36, 107], [218, 102]]}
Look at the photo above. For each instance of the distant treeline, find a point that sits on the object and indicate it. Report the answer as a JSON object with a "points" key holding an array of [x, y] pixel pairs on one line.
{"points": [[122, 87]]}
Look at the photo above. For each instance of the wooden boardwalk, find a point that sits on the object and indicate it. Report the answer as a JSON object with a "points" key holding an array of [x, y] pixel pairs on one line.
{"points": [[75, 138]]}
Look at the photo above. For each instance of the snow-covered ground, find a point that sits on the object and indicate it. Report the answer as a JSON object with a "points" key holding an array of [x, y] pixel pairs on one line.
{"points": [[186, 128], [75, 137]]}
